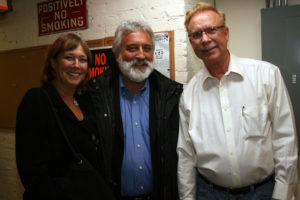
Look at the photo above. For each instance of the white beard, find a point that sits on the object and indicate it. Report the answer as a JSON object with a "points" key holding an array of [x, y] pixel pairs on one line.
{"points": [[135, 74]]}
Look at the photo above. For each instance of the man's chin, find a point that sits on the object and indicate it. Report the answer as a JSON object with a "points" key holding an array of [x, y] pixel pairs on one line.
{"points": [[140, 74], [138, 79], [209, 56]]}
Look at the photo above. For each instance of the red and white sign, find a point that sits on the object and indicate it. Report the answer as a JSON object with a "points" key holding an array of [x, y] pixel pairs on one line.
{"points": [[3, 5], [61, 15]]}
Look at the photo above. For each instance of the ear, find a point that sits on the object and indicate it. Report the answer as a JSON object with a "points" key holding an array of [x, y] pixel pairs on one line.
{"points": [[226, 30], [117, 56]]}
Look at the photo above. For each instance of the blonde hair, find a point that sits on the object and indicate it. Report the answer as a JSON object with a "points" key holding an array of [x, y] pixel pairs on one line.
{"points": [[199, 7]]}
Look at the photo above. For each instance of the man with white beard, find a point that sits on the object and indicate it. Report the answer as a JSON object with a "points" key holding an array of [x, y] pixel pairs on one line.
{"points": [[136, 113]]}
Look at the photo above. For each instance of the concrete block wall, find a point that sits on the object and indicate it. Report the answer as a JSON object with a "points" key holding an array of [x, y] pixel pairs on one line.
{"points": [[19, 29], [10, 184]]}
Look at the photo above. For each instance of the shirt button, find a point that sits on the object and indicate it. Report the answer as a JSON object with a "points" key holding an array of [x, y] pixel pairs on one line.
{"points": [[138, 145], [134, 102], [228, 129], [142, 187], [140, 167], [136, 123], [105, 114]]}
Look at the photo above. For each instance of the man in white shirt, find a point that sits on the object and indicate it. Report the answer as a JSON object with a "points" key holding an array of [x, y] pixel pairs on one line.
{"points": [[237, 137]]}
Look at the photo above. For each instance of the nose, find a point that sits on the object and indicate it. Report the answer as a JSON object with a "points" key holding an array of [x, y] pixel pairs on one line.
{"points": [[76, 62], [140, 53], [205, 37]]}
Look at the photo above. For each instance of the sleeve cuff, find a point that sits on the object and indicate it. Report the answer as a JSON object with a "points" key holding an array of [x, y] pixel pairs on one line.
{"points": [[283, 191], [189, 198]]}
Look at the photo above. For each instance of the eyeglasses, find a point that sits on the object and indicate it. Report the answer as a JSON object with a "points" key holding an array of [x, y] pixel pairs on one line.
{"points": [[210, 31]]}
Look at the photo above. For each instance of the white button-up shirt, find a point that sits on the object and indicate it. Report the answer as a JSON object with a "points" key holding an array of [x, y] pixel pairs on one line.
{"points": [[237, 130]]}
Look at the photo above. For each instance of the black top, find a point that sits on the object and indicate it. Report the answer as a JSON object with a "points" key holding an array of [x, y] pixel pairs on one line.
{"points": [[41, 150]]}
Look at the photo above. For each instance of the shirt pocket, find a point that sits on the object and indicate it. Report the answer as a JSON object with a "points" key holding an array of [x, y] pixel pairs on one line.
{"points": [[254, 120]]}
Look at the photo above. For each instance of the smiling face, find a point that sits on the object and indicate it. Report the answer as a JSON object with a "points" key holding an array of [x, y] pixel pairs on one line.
{"points": [[136, 56], [70, 68], [213, 48]]}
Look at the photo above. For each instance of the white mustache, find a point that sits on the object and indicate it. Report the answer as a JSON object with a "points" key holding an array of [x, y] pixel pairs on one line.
{"points": [[140, 62]]}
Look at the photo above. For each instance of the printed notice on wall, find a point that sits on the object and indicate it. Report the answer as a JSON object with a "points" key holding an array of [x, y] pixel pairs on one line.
{"points": [[102, 59], [162, 54], [61, 15]]}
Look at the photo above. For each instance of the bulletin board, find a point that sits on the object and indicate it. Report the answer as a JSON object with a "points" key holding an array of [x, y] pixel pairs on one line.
{"points": [[21, 69]]}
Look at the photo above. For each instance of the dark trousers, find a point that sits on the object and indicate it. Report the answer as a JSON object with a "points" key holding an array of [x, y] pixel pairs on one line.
{"points": [[259, 191]]}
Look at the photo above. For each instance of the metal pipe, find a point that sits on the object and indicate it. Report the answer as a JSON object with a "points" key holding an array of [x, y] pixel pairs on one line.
{"points": [[267, 3], [286, 3]]}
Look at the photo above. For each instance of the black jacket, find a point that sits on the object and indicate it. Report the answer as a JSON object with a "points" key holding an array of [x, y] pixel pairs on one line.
{"points": [[43, 156], [164, 125]]}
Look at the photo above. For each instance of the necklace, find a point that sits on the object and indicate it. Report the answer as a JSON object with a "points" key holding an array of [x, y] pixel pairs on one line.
{"points": [[75, 102]]}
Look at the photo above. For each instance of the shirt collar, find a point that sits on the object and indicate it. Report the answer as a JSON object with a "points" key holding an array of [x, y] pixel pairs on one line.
{"points": [[123, 87], [232, 68]]}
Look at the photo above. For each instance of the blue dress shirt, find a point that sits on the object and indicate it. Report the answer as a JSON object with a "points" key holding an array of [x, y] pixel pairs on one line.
{"points": [[136, 177]]}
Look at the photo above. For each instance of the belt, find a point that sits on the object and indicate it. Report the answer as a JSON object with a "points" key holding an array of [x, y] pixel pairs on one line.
{"points": [[142, 197], [241, 190]]}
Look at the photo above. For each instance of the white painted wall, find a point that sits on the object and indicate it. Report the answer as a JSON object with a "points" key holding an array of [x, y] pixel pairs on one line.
{"points": [[19, 29], [244, 22]]}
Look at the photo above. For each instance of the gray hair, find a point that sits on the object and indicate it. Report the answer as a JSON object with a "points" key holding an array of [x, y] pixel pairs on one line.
{"points": [[127, 27]]}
